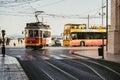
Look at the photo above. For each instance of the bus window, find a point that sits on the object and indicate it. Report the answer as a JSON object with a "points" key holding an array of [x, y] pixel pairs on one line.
{"points": [[36, 33], [66, 37], [74, 36], [30, 33]]}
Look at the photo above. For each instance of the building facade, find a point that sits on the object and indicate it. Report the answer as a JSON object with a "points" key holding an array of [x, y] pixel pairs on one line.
{"points": [[114, 31]]}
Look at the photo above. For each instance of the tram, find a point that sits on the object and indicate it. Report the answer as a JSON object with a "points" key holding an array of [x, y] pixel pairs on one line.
{"points": [[37, 35]]}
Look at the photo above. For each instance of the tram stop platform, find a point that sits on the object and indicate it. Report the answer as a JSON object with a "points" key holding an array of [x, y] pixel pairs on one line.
{"points": [[94, 55], [10, 69]]}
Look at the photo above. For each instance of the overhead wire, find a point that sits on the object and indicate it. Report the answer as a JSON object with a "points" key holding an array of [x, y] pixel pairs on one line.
{"points": [[17, 3], [56, 15], [51, 4], [97, 13]]}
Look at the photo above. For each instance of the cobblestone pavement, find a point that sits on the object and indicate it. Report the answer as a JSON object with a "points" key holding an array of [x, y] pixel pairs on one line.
{"points": [[10, 69]]}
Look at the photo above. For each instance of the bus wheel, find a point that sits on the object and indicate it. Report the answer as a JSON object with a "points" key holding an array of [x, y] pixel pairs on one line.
{"points": [[82, 43]]}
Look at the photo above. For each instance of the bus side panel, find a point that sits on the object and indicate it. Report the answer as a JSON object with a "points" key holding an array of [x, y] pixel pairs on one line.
{"points": [[75, 43], [94, 42], [66, 42], [90, 42]]}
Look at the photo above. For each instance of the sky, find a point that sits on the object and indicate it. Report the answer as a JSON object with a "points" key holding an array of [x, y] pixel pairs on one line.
{"points": [[14, 14]]}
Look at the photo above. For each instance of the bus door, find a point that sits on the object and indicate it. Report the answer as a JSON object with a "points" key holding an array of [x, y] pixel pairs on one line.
{"points": [[66, 40]]}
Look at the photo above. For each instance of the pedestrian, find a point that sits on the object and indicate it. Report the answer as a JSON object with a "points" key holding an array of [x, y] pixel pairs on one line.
{"points": [[21, 41], [14, 44], [0, 41], [7, 41]]}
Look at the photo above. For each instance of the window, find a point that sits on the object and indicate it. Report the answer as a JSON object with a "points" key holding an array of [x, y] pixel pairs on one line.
{"points": [[40, 33], [46, 34], [30, 33], [33, 33], [74, 36], [36, 33], [26, 33]]}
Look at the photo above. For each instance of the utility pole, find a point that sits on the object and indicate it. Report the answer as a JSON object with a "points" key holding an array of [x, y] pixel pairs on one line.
{"points": [[88, 20], [102, 13], [103, 34], [106, 25], [101, 49]]}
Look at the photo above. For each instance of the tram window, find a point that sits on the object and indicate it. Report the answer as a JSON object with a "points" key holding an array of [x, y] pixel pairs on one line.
{"points": [[46, 34], [36, 33], [26, 33], [30, 33], [40, 33]]}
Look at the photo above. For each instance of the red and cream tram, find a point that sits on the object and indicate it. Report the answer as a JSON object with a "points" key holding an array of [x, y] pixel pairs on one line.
{"points": [[37, 35]]}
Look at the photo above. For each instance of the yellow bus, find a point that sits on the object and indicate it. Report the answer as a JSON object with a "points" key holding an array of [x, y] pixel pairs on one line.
{"points": [[80, 35]]}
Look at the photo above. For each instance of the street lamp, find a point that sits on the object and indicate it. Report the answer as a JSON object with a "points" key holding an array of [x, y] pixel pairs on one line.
{"points": [[3, 43]]}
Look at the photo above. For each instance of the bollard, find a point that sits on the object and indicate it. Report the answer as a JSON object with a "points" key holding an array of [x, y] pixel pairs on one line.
{"points": [[101, 51], [3, 51], [3, 43], [14, 44]]}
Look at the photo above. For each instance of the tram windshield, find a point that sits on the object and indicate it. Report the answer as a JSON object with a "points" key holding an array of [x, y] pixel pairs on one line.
{"points": [[33, 33], [38, 33]]}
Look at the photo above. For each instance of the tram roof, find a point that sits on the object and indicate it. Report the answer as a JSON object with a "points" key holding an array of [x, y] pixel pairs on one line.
{"points": [[36, 25]]}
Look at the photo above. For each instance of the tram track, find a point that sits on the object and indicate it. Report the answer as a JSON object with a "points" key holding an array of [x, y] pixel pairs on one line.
{"points": [[108, 64], [87, 70], [54, 72], [101, 69], [65, 75], [105, 66], [48, 70], [64, 67], [67, 70], [114, 67]]}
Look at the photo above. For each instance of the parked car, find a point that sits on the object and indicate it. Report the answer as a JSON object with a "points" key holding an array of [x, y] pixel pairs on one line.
{"points": [[57, 42]]}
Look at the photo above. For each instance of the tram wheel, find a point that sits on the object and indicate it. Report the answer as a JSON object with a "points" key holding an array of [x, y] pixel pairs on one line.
{"points": [[26, 46], [40, 46]]}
